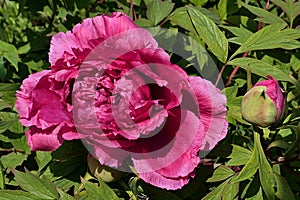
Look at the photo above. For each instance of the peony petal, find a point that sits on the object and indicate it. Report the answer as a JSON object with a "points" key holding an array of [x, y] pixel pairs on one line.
{"points": [[90, 33], [113, 157], [178, 158], [42, 140], [156, 179], [24, 96], [212, 111], [62, 43], [101, 28]]}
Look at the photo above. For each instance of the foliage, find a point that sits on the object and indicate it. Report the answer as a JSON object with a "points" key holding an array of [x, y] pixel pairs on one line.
{"points": [[246, 40]]}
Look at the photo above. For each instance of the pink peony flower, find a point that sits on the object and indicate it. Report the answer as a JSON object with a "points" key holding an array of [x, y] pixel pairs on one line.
{"points": [[129, 104]]}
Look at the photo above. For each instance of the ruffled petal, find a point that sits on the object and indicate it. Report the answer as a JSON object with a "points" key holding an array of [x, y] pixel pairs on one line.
{"points": [[113, 157], [177, 159], [24, 95], [156, 179], [62, 43], [212, 111], [42, 140], [86, 36]]}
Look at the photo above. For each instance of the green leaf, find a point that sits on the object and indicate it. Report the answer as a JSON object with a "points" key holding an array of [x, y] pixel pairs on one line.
{"points": [[283, 189], [217, 193], [260, 68], [9, 120], [95, 192], [202, 56], [16, 195], [63, 168], [258, 196], [20, 144], [249, 169], [221, 173], [279, 143], [142, 22], [9, 52], [8, 92], [241, 33], [181, 18], [2, 177], [230, 191], [209, 33], [4, 105], [4, 87], [265, 169], [222, 8], [42, 188], [199, 2], [227, 7], [234, 105], [158, 10], [271, 37], [2, 70], [68, 150], [291, 8], [13, 159], [251, 189], [43, 158], [66, 184], [239, 156], [263, 15], [64, 196]]}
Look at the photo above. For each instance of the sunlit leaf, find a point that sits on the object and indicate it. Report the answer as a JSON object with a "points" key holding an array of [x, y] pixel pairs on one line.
{"points": [[221, 173], [158, 10], [291, 8], [261, 68], [17, 195], [283, 189], [217, 193], [64, 196], [2, 177], [9, 52], [210, 34], [263, 15], [13, 159], [99, 192], [265, 169], [241, 33], [239, 156], [258, 196], [230, 191], [35, 185], [271, 37]]}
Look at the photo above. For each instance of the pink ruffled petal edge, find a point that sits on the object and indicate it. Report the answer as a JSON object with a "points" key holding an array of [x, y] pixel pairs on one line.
{"points": [[83, 34], [212, 111], [156, 179], [173, 170], [24, 95], [41, 140]]}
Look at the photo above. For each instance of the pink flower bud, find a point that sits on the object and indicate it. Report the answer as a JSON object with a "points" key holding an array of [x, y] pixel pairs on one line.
{"points": [[263, 105]]}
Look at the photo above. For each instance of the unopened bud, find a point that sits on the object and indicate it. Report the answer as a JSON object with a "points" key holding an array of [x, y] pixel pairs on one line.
{"points": [[263, 105]]}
